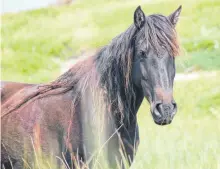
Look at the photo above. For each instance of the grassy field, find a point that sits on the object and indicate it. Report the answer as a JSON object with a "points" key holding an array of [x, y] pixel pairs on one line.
{"points": [[192, 140], [34, 43]]}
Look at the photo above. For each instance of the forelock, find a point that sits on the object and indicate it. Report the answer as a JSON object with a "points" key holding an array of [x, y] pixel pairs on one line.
{"points": [[159, 34]]}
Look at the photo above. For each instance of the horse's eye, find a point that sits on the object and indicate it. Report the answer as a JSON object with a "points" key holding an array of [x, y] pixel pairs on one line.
{"points": [[142, 54]]}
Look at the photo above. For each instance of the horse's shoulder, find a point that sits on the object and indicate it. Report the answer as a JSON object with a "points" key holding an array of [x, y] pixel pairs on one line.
{"points": [[10, 88]]}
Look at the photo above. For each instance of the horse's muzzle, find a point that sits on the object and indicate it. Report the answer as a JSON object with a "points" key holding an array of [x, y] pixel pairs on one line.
{"points": [[163, 113]]}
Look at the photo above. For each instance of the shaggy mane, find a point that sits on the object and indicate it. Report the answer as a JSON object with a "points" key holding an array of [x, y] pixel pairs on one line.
{"points": [[109, 70]]}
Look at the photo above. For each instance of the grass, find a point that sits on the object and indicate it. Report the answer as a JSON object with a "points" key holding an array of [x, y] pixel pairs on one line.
{"points": [[192, 140], [201, 60], [33, 41]]}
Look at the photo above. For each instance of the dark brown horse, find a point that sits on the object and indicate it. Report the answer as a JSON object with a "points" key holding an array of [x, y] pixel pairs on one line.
{"points": [[93, 106]]}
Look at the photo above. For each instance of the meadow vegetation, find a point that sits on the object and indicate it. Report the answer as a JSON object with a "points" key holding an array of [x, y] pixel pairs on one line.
{"points": [[192, 140], [35, 42]]}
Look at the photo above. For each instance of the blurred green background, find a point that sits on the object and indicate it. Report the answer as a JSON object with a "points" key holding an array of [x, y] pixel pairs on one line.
{"points": [[35, 44]]}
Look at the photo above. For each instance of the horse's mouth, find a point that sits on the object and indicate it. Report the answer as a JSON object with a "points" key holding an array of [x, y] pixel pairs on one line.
{"points": [[162, 122]]}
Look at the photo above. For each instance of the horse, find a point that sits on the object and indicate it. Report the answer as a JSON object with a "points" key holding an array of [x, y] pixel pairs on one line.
{"points": [[96, 100]]}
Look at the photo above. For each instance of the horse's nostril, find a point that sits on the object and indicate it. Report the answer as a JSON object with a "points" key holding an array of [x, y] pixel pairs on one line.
{"points": [[158, 110], [174, 109], [158, 107], [174, 106]]}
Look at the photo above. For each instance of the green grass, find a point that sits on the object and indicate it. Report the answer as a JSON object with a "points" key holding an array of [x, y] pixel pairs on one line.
{"points": [[192, 140], [33, 40], [200, 60]]}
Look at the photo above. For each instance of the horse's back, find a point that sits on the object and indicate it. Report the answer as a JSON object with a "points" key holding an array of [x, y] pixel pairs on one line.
{"points": [[10, 88]]}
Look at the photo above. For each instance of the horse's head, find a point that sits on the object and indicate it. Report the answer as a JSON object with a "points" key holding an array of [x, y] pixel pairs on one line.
{"points": [[155, 47]]}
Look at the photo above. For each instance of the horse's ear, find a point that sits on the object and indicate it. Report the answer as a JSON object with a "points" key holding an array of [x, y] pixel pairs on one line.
{"points": [[139, 18], [174, 17]]}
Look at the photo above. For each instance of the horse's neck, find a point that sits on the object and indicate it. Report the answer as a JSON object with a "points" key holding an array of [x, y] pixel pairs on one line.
{"points": [[139, 99], [132, 117]]}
